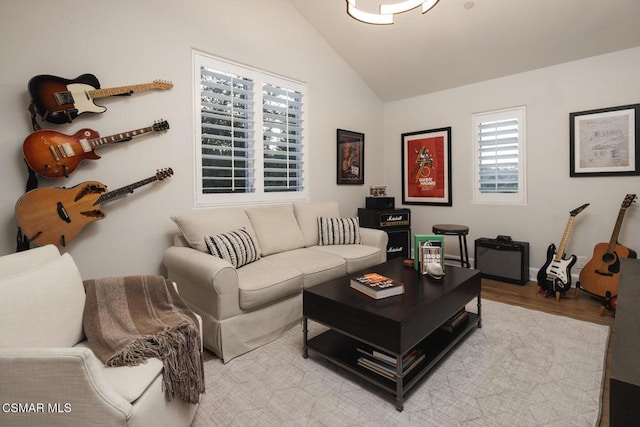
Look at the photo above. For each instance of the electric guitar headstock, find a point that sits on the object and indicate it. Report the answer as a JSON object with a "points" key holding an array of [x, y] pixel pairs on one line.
{"points": [[576, 211]]}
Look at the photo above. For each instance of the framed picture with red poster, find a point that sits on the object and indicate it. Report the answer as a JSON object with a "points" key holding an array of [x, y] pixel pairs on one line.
{"points": [[426, 167]]}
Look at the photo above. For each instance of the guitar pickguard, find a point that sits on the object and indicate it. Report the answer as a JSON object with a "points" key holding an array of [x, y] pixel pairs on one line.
{"points": [[79, 93]]}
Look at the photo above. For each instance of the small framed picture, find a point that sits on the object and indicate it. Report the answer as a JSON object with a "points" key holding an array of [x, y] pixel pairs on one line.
{"points": [[350, 157]]}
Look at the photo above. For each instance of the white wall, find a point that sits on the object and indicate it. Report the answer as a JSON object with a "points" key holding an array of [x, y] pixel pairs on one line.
{"points": [[127, 42], [549, 95]]}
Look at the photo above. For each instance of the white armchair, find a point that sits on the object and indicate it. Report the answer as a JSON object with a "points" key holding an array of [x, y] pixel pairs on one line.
{"points": [[48, 376]]}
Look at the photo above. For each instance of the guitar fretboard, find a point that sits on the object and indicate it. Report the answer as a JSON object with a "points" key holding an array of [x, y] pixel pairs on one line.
{"points": [[124, 190], [565, 238], [125, 136], [122, 90]]}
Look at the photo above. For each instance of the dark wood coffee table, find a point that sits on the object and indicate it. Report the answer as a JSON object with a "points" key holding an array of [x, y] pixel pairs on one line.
{"points": [[394, 325]]}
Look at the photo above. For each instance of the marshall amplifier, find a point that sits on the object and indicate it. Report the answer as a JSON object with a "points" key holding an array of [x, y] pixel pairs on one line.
{"points": [[384, 219], [399, 243], [380, 203], [502, 259]]}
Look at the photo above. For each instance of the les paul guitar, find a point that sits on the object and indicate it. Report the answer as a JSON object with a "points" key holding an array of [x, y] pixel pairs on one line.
{"points": [[600, 275], [55, 155], [58, 100], [57, 215], [555, 274]]}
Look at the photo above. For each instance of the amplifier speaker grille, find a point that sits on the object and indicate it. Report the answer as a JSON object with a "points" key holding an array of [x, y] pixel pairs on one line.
{"points": [[508, 262]]}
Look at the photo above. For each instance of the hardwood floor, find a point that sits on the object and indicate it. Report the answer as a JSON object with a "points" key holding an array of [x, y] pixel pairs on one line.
{"points": [[581, 306]]}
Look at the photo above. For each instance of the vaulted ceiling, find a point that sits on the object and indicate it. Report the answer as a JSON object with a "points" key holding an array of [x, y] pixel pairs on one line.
{"points": [[460, 42]]}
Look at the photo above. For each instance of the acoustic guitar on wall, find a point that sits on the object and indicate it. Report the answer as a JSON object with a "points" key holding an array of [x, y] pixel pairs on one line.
{"points": [[600, 275], [59, 100], [57, 215], [555, 275], [53, 154]]}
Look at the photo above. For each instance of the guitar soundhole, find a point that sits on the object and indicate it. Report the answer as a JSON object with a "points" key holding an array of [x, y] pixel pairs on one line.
{"points": [[609, 258]]}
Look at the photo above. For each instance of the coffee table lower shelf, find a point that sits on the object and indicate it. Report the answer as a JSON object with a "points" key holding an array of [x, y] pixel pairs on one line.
{"points": [[341, 350]]}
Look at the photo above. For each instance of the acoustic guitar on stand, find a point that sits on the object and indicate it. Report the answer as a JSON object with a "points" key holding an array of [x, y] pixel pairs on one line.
{"points": [[601, 274], [555, 275], [53, 154], [56, 215], [59, 100]]}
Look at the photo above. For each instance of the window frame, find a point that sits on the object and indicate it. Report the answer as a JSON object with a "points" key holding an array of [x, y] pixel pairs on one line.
{"points": [[259, 77], [516, 198]]}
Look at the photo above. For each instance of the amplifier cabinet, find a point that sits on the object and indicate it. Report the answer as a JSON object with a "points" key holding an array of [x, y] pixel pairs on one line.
{"points": [[399, 243], [384, 219], [507, 261], [380, 203]]}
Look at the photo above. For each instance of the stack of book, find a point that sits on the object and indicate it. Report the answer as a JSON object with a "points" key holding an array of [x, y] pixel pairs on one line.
{"points": [[385, 365], [456, 322], [376, 285]]}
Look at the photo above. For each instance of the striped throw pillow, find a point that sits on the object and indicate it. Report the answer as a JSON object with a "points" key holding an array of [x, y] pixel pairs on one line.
{"points": [[237, 247], [338, 231]]}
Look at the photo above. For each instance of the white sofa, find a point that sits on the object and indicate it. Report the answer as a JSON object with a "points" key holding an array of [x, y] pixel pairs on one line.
{"points": [[246, 307], [48, 375]]}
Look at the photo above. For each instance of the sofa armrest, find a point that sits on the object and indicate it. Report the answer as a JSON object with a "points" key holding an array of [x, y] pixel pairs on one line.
{"points": [[64, 385], [207, 283], [374, 237]]}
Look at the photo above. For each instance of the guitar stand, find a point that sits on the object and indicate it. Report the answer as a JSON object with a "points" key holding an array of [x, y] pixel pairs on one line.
{"points": [[608, 302]]}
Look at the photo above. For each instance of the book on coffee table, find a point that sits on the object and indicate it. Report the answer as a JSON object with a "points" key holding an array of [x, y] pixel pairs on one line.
{"points": [[376, 285]]}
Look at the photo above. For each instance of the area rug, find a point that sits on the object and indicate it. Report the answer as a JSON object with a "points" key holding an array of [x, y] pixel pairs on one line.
{"points": [[522, 368]]}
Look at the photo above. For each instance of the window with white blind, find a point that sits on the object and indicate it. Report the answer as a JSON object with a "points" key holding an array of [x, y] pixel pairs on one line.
{"points": [[499, 161], [249, 134]]}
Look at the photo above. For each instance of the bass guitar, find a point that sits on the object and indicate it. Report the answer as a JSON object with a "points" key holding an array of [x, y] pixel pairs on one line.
{"points": [[555, 275], [57, 215], [58, 100], [600, 275], [53, 154]]}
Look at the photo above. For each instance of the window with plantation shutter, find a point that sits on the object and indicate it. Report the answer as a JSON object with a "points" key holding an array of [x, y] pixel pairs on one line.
{"points": [[282, 139], [499, 165], [249, 134]]}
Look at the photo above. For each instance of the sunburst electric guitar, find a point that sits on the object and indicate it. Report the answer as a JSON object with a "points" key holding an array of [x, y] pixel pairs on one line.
{"points": [[53, 154], [57, 215], [600, 275], [555, 275], [58, 100]]}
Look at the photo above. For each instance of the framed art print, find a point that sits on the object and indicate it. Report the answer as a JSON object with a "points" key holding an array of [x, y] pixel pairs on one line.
{"points": [[426, 167], [350, 165], [604, 142]]}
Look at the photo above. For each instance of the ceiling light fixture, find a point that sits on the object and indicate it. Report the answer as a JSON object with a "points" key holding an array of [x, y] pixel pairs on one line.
{"points": [[387, 10]]}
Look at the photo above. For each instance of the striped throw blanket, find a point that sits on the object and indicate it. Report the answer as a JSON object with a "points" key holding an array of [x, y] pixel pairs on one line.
{"points": [[132, 318]]}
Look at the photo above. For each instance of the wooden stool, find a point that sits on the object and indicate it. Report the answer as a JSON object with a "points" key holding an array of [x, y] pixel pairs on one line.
{"points": [[456, 230]]}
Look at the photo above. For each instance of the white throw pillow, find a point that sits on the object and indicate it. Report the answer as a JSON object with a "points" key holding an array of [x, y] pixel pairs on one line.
{"points": [[338, 231], [237, 247]]}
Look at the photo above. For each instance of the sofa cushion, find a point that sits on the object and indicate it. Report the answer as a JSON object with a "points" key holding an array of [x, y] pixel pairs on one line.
{"points": [[129, 381], [25, 260], [195, 226], [42, 306], [237, 247], [338, 231], [276, 228], [357, 257], [317, 267], [262, 283], [307, 216]]}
